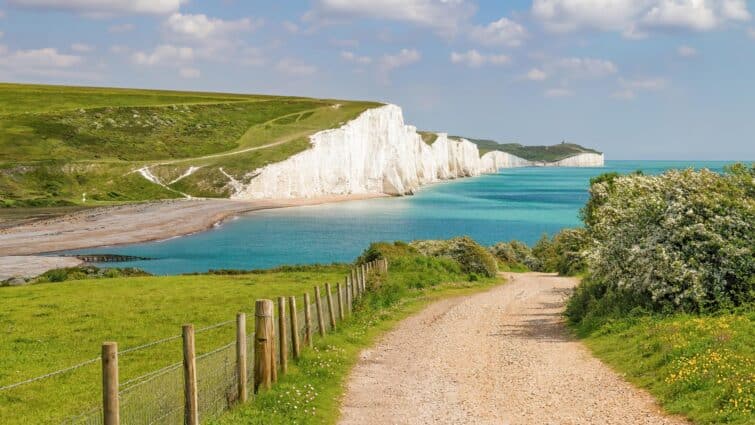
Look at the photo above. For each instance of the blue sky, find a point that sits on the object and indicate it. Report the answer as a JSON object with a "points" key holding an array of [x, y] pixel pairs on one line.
{"points": [[638, 79]]}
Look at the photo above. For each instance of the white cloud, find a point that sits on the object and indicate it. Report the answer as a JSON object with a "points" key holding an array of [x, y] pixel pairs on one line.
{"points": [[119, 49], [295, 67], [291, 27], [475, 59], [624, 94], [164, 53], [45, 62], [503, 32], [634, 18], [200, 27], [645, 83], [121, 28], [388, 63], [686, 51], [99, 8], [536, 74], [629, 88], [189, 73], [443, 15], [558, 92], [43, 58], [587, 67], [354, 58], [81, 48]]}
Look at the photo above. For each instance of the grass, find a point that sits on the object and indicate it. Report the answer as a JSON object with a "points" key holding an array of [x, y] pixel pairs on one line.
{"points": [[312, 391], [702, 367], [59, 143], [52, 326]]}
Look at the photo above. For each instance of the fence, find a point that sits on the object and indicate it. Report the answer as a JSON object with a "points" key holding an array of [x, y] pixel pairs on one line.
{"points": [[202, 387]]}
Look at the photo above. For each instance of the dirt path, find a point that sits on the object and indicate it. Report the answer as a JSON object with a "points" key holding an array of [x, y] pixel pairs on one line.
{"points": [[500, 357]]}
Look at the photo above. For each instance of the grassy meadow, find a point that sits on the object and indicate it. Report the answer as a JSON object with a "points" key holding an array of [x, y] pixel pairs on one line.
{"points": [[700, 366], [49, 327], [59, 143]]}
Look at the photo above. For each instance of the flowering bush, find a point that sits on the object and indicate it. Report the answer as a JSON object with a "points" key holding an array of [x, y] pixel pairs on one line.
{"points": [[682, 240]]}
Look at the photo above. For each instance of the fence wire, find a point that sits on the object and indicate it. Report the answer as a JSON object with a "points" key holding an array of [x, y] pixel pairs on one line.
{"points": [[157, 397]]}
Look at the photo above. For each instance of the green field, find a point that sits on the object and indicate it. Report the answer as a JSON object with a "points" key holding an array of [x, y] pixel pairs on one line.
{"points": [[52, 326], [58, 144]]}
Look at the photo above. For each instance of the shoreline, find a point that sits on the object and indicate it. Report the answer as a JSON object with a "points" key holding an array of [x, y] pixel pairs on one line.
{"points": [[139, 223]]}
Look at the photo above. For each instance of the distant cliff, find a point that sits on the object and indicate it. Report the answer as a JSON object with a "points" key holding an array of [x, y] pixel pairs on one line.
{"points": [[553, 155], [378, 153]]}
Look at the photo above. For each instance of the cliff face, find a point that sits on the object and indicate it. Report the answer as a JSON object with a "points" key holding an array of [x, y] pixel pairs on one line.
{"points": [[375, 153], [579, 160]]}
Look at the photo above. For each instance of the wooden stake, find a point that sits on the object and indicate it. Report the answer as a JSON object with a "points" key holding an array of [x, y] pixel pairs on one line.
{"points": [[294, 327], [307, 320], [349, 294], [110, 406], [191, 405], [283, 337], [241, 355], [339, 301], [318, 306], [331, 310], [263, 345]]}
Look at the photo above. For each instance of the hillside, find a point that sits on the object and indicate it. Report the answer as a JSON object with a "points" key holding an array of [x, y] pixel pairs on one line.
{"points": [[62, 145], [533, 153]]}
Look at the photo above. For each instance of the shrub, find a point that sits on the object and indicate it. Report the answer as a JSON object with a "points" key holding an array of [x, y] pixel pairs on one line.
{"points": [[471, 256], [513, 253], [680, 241]]}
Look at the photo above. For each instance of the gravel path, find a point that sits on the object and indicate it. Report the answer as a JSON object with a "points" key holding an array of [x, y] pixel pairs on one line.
{"points": [[499, 357]]}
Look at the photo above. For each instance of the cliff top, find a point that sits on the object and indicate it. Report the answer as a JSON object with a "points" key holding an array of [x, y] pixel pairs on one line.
{"points": [[550, 153], [60, 145]]}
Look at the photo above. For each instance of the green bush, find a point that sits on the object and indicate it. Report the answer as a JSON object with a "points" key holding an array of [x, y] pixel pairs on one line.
{"points": [[680, 241], [471, 256], [515, 254]]}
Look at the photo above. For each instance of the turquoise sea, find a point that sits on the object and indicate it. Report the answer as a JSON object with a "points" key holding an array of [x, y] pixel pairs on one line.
{"points": [[519, 203]]}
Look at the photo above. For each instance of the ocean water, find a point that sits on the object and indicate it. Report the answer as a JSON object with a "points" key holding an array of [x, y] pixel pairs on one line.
{"points": [[518, 203]]}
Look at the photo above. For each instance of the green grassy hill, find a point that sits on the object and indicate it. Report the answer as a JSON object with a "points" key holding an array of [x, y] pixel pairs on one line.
{"points": [[58, 143], [533, 153]]}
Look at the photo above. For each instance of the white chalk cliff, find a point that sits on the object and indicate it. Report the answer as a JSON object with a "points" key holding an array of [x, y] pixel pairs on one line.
{"points": [[586, 159], [374, 153]]}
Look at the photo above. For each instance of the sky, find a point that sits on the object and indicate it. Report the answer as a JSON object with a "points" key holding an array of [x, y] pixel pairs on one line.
{"points": [[637, 79]]}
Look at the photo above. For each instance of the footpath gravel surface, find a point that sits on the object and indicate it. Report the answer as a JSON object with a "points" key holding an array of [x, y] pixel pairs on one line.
{"points": [[499, 357]]}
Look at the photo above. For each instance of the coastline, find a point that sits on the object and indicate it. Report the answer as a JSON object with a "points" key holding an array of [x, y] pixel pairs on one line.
{"points": [[137, 223]]}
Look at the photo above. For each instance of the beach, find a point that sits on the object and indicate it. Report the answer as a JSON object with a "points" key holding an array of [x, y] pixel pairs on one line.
{"points": [[127, 224]]}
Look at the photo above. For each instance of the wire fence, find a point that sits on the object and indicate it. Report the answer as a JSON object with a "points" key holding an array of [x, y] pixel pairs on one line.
{"points": [[157, 396]]}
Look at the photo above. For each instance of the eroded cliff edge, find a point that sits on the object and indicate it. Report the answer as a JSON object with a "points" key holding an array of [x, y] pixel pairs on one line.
{"points": [[374, 153]]}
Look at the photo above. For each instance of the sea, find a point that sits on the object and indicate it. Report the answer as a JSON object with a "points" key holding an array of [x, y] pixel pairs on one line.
{"points": [[516, 203]]}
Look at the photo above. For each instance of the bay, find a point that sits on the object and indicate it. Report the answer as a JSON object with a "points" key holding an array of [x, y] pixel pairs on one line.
{"points": [[516, 203]]}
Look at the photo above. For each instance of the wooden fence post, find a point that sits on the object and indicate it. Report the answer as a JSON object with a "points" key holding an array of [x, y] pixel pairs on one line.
{"points": [[283, 335], [307, 320], [355, 289], [191, 405], [364, 278], [318, 307], [339, 299], [263, 345], [110, 405], [331, 310], [296, 348], [241, 355], [348, 294]]}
